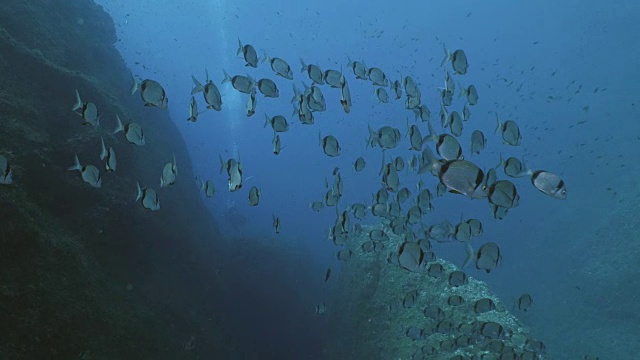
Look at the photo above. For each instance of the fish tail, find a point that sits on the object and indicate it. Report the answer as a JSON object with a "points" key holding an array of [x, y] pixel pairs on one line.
{"points": [[78, 104], [119, 126], [240, 47], [135, 86], [432, 133], [447, 55], [470, 254], [197, 86], [76, 164], [139, 191], [304, 66], [222, 165], [265, 57], [267, 120], [499, 126], [104, 153], [227, 77]]}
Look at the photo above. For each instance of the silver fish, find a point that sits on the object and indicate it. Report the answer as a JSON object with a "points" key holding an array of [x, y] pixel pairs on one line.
{"points": [[314, 72], [208, 187], [152, 93], [458, 60], [359, 211], [360, 164], [463, 177], [87, 110], [549, 183], [330, 145], [149, 198], [132, 131], [169, 173], [251, 103], [249, 54], [359, 69], [378, 77], [110, 155], [276, 223], [210, 91], [254, 196], [410, 87], [503, 193], [244, 84], [446, 96], [334, 78], [345, 99], [422, 112], [279, 66], [316, 205], [412, 102], [278, 123], [411, 257], [466, 114], [478, 141], [397, 89], [455, 123], [268, 88], [235, 177], [510, 132], [488, 257], [512, 167], [471, 93], [382, 95], [90, 174], [193, 110]]}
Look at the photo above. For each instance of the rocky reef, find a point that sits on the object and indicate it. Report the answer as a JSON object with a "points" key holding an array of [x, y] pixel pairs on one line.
{"points": [[84, 272]]}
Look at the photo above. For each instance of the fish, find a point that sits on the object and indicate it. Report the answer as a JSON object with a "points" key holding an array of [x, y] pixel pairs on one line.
{"points": [[492, 330], [488, 257], [411, 256], [149, 198], [434, 311], [390, 178], [344, 255], [549, 183], [510, 132], [397, 88], [345, 98], [268, 88], [327, 275], [329, 145], [458, 60], [359, 69], [466, 114], [132, 132], [455, 300], [193, 110], [524, 302], [415, 138], [458, 278], [277, 146], [484, 305], [503, 193], [152, 93], [415, 333], [314, 72], [423, 200], [410, 87], [88, 111], [412, 102], [320, 309], [334, 78], [386, 137], [251, 103], [455, 123], [6, 172], [210, 91], [463, 177], [414, 215], [476, 227], [90, 174], [249, 54], [512, 167], [235, 177], [449, 84], [462, 231], [402, 195], [279, 66], [316, 205], [446, 96], [377, 77], [440, 232], [244, 84], [382, 95], [276, 223], [359, 211], [478, 141], [208, 187], [398, 162], [359, 164], [169, 173], [278, 123], [254, 196], [471, 93], [110, 155], [422, 112], [435, 270]]}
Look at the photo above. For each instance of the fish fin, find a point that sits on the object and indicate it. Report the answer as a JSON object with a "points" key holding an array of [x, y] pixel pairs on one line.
{"points": [[447, 55], [304, 66], [104, 152], [197, 86], [227, 77], [240, 47], [222, 164], [499, 126], [136, 85], [76, 164], [139, 191], [470, 254], [432, 133], [78, 104], [265, 57], [119, 126]]}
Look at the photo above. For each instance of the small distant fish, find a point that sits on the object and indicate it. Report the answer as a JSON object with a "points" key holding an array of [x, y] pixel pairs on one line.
{"points": [[344, 255], [458, 278], [478, 141], [208, 187], [278, 123], [524, 302], [279, 66], [327, 275], [549, 183], [382, 95], [458, 60], [87, 110], [149, 198], [411, 257], [320, 309], [235, 177], [329, 145], [110, 155], [484, 305], [510, 132], [488, 257], [422, 112], [268, 88], [345, 99], [169, 173], [314, 72], [476, 227], [6, 173], [249, 54], [251, 103], [360, 164], [90, 174], [132, 131], [276, 224], [244, 84], [316, 205], [152, 93], [446, 96], [254, 196]]}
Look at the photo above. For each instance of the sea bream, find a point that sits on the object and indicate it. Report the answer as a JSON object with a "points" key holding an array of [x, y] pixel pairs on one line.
{"points": [[110, 155], [459, 176], [249, 54], [458, 60], [334, 78], [278, 123], [345, 98], [148, 198], [549, 183], [244, 84], [210, 91], [471, 93], [132, 131], [359, 69], [478, 141], [169, 173], [208, 187], [254, 196], [314, 72], [268, 88], [277, 145], [152, 93], [251, 103], [279, 66], [193, 110], [329, 145], [510, 132], [378, 77], [87, 110], [90, 174], [382, 95]]}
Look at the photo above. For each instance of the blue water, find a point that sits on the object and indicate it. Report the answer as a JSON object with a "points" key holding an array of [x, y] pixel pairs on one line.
{"points": [[578, 257]]}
